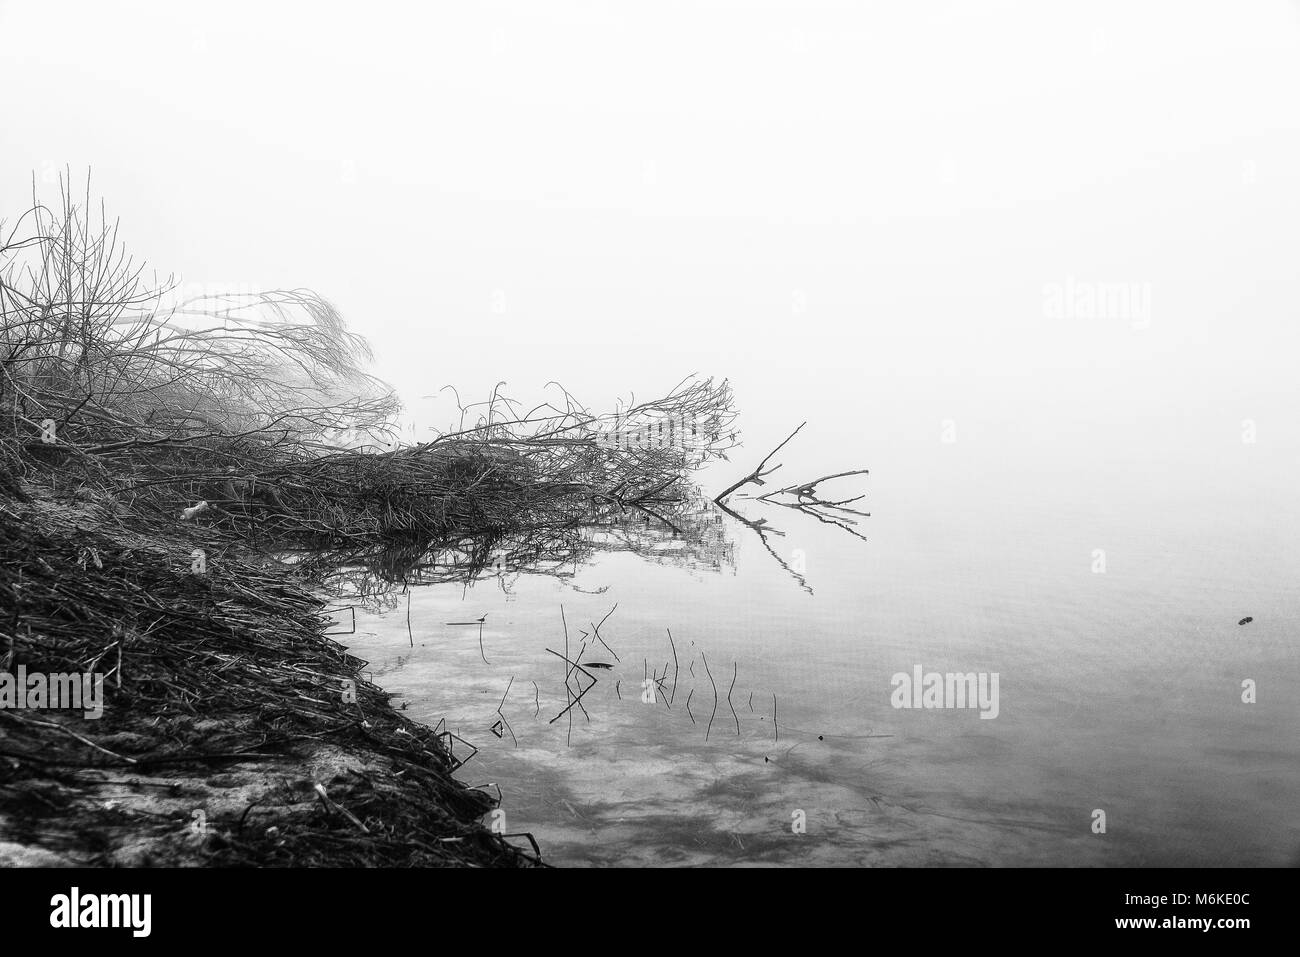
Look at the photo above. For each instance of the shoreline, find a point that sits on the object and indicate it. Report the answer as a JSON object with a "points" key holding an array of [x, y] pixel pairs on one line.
{"points": [[233, 739]]}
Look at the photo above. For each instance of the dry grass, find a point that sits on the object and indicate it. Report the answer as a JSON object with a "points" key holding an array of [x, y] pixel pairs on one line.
{"points": [[135, 430]]}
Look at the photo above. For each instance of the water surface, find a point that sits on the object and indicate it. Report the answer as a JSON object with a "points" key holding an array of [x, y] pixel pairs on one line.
{"points": [[1119, 689]]}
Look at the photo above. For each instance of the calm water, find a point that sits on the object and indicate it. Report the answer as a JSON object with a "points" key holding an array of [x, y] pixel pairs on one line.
{"points": [[1118, 690]]}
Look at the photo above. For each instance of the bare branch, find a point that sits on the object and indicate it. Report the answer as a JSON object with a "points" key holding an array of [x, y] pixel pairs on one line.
{"points": [[756, 477]]}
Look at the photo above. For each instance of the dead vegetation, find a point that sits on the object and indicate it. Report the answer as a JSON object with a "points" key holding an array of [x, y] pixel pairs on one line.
{"points": [[183, 478], [802, 497], [224, 709], [179, 482]]}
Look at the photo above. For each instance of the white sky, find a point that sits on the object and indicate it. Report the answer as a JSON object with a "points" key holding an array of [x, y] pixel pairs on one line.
{"points": [[653, 189]]}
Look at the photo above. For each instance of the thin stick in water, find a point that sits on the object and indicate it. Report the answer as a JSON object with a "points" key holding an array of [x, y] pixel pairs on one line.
{"points": [[568, 692], [501, 714], [595, 627], [734, 670], [676, 669], [715, 694]]}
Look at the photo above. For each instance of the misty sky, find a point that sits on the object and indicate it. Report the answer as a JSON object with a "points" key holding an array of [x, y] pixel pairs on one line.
{"points": [[852, 210]]}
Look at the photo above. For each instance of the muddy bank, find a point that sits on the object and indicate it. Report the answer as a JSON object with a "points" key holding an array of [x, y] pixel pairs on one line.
{"points": [[233, 731]]}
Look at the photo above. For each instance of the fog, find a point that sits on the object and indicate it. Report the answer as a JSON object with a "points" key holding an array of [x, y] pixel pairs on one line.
{"points": [[876, 217]]}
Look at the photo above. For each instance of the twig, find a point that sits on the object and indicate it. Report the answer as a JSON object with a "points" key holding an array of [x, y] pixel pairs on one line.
{"points": [[568, 692], [572, 700], [734, 670], [676, 669], [808, 489], [715, 695], [501, 714], [595, 627], [756, 477]]}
